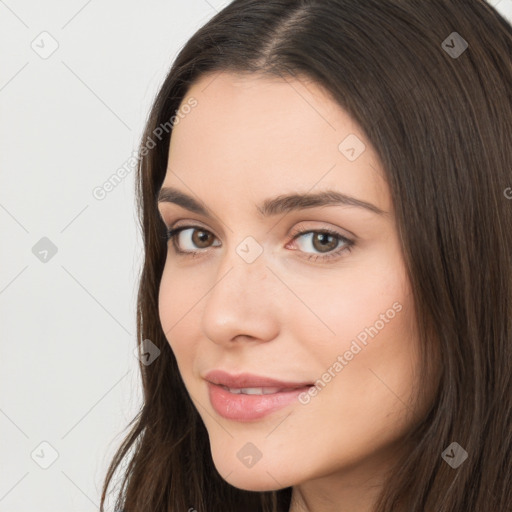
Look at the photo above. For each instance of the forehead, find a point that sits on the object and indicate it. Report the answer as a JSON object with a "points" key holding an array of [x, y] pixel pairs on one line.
{"points": [[257, 135]]}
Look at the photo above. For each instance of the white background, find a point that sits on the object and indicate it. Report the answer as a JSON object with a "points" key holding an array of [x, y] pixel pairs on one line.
{"points": [[68, 374]]}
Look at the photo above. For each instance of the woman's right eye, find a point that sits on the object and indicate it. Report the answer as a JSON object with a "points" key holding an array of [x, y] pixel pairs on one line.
{"points": [[197, 238]]}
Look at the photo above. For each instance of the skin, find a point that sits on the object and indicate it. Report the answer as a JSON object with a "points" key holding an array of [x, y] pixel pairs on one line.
{"points": [[248, 139]]}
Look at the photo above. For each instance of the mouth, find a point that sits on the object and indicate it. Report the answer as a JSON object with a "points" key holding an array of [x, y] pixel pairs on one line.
{"points": [[248, 397]]}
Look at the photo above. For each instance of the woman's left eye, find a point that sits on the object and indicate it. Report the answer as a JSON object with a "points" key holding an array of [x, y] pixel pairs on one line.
{"points": [[329, 243]]}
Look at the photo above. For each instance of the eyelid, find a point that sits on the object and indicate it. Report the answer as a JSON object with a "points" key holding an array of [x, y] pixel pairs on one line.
{"points": [[297, 229], [171, 225], [300, 229]]}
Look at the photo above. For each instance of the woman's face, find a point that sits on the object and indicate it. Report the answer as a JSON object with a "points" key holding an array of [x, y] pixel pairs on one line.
{"points": [[333, 310]]}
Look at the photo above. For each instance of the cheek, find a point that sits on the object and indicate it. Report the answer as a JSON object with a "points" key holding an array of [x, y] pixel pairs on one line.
{"points": [[373, 357], [177, 297], [364, 403], [366, 301], [176, 301], [374, 381]]}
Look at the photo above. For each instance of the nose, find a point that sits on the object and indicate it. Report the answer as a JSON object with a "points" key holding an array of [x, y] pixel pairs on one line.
{"points": [[243, 303]]}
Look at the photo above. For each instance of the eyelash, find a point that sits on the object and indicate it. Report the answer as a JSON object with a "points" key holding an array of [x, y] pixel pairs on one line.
{"points": [[335, 253]]}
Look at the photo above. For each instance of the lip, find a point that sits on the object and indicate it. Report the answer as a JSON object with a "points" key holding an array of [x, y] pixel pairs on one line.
{"points": [[249, 380], [243, 407]]}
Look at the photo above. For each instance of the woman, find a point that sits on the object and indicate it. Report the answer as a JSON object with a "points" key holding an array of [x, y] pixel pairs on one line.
{"points": [[325, 305]]}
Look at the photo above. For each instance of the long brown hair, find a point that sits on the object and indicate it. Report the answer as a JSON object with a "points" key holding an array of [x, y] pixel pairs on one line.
{"points": [[439, 114]]}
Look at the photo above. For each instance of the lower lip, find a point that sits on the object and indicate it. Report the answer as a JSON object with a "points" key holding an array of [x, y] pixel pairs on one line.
{"points": [[242, 407]]}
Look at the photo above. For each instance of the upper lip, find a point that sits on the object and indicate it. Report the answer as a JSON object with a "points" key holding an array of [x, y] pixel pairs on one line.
{"points": [[248, 380]]}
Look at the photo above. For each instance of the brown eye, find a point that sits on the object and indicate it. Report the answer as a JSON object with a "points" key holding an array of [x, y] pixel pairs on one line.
{"points": [[321, 245], [188, 239], [320, 240], [324, 242], [201, 238]]}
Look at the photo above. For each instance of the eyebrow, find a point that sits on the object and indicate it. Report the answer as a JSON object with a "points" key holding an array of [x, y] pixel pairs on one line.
{"points": [[273, 206]]}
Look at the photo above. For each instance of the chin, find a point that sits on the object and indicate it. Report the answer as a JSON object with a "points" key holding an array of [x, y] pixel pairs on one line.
{"points": [[254, 478], [256, 482]]}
